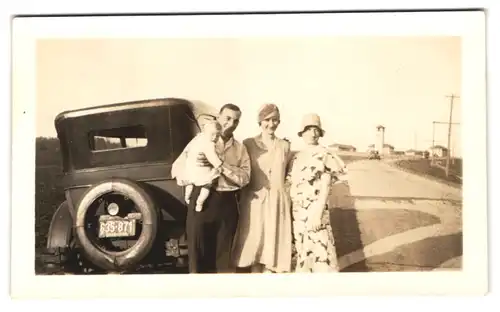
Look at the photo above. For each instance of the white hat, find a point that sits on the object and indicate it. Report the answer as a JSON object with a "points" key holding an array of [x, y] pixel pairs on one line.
{"points": [[311, 120]]}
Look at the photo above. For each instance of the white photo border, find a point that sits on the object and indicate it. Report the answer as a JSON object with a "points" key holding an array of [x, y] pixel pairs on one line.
{"points": [[473, 279]]}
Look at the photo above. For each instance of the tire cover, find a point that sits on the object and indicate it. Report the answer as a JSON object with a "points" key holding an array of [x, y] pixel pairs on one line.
{"points": [[118, 260]]}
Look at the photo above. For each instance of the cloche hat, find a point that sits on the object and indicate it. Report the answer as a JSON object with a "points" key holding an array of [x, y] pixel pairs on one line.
{"points": [[311, 120]]}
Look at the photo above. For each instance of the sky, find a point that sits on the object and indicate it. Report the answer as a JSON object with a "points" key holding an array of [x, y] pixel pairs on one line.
{"points": [[353, 83]]}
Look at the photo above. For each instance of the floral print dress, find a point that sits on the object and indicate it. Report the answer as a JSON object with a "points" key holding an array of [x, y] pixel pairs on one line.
{"points": [[314, 250]]}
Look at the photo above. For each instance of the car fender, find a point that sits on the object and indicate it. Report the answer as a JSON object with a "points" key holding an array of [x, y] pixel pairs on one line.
{"points": [[61, 228]]}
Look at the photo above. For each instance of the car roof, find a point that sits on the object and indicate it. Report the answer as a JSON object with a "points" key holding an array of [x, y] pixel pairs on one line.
{"points": [[121, 106]]}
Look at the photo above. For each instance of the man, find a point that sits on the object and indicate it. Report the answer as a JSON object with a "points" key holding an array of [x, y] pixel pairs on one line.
{"points": [[210, 232]]}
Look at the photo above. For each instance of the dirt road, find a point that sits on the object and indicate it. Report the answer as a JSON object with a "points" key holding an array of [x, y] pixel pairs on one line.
{"points": [[391, 220]]}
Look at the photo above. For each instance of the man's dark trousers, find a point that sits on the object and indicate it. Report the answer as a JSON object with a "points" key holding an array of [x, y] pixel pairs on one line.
{"points": [[210, 232]]}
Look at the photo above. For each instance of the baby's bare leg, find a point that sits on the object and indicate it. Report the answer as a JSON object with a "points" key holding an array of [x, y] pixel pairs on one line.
{"points": [[204, 192], [187, 195]]}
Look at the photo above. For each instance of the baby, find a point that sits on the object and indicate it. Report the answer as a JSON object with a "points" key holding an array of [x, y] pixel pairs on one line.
{"points": [[194, 174]]}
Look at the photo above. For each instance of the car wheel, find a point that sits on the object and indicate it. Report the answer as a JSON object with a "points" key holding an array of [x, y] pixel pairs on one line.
{"points": [[99, 254]]}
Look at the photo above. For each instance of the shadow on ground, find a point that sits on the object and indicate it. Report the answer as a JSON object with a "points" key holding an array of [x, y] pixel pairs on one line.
{"points": [[345, 223], [355, 229], [423, 255]]}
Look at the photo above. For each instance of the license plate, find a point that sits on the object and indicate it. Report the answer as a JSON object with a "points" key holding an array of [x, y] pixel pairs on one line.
{"points": [[117, 228]]}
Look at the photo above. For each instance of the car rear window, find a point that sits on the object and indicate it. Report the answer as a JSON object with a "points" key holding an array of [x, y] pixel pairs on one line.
{"points": [[118, 138]]}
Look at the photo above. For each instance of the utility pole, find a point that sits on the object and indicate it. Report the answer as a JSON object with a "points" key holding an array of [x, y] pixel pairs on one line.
{"points": [[433, 142], [452, 97]]}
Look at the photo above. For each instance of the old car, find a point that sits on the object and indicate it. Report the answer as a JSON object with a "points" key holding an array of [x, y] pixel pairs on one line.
{"points": [[122, 209], [374, 155]]}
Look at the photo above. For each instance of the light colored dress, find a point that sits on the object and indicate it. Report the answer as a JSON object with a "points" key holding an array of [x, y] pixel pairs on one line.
{"points": [[264, 234], [314, 250]]}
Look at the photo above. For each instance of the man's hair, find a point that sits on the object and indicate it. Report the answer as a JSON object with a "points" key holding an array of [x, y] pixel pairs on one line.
{"points": [[231, 107]]}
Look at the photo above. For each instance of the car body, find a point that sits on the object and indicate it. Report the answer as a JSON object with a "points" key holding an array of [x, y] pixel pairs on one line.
{"points": [[374, 155], [122, 210]]}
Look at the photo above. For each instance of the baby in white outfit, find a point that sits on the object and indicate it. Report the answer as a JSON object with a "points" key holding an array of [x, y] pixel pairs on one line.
{"points": [[194, 174]]}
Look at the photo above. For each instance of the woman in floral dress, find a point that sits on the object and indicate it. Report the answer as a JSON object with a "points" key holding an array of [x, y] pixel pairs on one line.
{"points": [[311, 175]]}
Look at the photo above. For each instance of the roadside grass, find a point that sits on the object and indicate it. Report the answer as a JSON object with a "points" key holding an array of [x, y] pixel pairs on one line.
{"points": [[49, 194], [423, 167]]}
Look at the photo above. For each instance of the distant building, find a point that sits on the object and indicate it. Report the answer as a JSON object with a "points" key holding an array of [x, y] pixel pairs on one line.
{"points": [[342, 147], [412, 152], [387, 149], [438, 151]]}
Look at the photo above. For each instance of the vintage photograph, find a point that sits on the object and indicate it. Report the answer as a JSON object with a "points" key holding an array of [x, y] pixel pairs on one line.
{"points": [[261, 154], [249, 154]]}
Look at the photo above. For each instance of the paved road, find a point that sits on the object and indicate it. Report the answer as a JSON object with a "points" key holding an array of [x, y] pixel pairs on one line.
{"points": [[396, 221]]}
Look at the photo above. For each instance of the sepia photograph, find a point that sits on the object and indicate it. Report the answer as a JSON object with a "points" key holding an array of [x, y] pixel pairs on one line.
{"points": [[266, 152], [107, 198]]}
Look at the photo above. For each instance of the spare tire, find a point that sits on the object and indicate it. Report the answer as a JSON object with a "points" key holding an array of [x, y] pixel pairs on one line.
{"points": [[121, 260]]}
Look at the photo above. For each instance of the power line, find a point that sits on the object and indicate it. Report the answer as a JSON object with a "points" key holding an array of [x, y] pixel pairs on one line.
{"points": [[434, 131]]}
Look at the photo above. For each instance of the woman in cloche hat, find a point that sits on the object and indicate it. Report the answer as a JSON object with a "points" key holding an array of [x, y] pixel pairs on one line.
{"points": [[312, 173], [263, 241]]}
